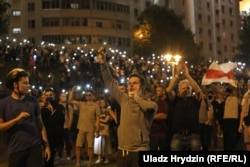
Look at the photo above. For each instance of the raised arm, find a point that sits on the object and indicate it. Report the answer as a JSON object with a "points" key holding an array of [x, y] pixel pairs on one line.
{"points": [[192, 82], [71, 97], [170, 89], [108, 79], [175, 78]]}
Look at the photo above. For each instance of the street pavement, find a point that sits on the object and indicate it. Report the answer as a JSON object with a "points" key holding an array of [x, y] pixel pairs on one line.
{"points": [[58, 162]]}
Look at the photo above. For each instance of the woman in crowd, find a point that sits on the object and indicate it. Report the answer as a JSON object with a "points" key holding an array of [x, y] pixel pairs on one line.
{"points": [[102, 144], [53, 119]]}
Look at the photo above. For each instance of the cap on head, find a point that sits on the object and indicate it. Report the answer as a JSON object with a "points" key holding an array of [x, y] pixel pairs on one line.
{"points": [[14, 76]]}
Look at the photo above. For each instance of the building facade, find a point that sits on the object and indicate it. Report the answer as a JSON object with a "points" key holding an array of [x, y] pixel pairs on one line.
{"points": [[214, 23], [92, 23], [88, 23]]}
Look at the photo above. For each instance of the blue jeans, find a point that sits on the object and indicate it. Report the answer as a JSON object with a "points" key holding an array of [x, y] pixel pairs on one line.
{"points": [[186, 142]]}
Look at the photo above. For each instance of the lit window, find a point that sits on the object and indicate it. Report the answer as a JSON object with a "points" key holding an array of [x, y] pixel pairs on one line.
{"points": [[74, 6], [16, 13], [16, 30]]}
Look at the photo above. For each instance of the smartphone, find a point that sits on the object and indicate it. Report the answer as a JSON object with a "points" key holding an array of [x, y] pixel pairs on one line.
{"points": [[49, 99], [46, 104]]}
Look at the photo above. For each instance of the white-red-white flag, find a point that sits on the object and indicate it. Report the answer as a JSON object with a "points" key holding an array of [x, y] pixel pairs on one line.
{"points": [[220, 73]]}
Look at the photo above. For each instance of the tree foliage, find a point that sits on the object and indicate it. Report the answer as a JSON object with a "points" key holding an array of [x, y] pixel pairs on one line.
{"points": [[161, 31], [244, 44], [4, 18]]}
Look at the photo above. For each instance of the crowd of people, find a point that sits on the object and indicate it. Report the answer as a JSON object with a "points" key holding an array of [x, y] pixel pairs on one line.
{"points": [[78, 66], [111, 103]]}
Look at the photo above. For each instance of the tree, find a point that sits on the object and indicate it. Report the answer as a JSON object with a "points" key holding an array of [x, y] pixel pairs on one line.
{"points": [[244, 44], [4, 18], [161, 31]]}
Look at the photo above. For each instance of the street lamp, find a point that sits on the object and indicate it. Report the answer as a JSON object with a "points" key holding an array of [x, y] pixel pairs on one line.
{"points": [[172, 60]]}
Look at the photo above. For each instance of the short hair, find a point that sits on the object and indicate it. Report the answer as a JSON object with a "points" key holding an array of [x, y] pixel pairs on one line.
{"points": [[184, 81], [142, 79], [160, 86], [48, 89], [91, 91], [14, 76]]}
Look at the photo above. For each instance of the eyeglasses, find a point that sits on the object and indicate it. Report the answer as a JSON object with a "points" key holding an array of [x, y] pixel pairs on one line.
{"points": [[88, 95]]}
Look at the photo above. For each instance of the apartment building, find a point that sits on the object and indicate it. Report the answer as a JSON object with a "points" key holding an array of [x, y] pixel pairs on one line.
{"points": [[88, 23], [92, 23], [214, 23]]}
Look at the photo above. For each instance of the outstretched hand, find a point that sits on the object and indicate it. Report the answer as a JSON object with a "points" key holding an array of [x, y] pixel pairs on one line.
{"points": [[101, 55], [185, 69], [179, 68]]}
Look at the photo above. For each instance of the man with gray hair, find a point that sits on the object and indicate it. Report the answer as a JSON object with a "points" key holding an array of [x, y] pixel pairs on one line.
{"points": [[185, 116]]}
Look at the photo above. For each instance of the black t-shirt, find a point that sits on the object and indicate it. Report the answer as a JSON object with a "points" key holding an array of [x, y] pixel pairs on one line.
{"points": [[218, 111], [54, 122], [185, 114]]}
